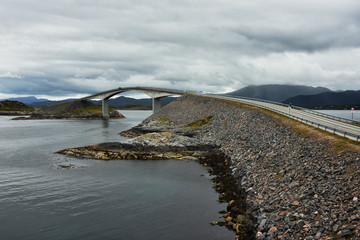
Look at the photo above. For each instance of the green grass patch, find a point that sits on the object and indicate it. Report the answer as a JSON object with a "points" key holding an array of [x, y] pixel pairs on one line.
{"points": [[165, 120], [96, 109], [200, 122]]}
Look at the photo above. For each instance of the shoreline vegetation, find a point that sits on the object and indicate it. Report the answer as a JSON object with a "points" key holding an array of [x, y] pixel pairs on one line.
{"points": [[15, 108], [67, 110], [280, 178]]}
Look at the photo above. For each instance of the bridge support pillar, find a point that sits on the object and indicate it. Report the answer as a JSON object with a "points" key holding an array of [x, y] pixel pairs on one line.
{"points": [[105, 108], [156, 104]]}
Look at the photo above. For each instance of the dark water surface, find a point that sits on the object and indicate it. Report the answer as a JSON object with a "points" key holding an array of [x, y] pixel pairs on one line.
{"points": [[97, 199]]}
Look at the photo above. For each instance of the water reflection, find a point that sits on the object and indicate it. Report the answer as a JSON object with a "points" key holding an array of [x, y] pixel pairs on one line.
{"points": [[105, 123]]}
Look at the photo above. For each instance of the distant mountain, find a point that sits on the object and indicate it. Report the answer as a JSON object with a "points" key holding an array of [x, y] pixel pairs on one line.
{"points": [[326, 99], [277, 92], [28, 100]]}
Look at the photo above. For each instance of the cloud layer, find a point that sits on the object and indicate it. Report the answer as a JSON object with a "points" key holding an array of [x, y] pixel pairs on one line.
{"points": [[84, 46]]}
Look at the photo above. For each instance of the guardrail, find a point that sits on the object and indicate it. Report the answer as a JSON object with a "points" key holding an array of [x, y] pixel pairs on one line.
{"points": [[329, 116], [318, 125], [329, 129], [298, 107], [256, 99]]}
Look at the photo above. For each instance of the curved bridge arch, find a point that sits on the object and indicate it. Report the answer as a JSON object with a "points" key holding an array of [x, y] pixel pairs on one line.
{"points": [[155, 93]]}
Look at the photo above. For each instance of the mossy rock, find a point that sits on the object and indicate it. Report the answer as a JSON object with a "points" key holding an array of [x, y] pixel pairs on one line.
{"points": [[200, 122], [165, 120]]}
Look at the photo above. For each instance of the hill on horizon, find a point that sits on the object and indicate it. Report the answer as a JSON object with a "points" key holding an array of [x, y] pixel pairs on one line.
{"points": [[277, 92], [11, 105], [27, 100], [67, 106], [326, 99]]}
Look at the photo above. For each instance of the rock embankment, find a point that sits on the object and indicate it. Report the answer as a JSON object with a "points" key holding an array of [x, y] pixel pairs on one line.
{"points": [[279, 183], [298, 186]]}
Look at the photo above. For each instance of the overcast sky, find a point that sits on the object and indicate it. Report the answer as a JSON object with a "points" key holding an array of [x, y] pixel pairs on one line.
{"points": [[72, 48]]}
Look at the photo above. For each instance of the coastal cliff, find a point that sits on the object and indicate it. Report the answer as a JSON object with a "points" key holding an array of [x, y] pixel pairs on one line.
{"points": [[281, 179]]}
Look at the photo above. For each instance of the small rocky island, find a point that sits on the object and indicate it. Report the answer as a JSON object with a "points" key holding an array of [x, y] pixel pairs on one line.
{"points": [[280, 178], [14, 108], [77, 109]]}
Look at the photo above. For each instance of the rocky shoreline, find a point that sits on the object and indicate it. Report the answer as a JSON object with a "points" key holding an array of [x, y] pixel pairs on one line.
{"points": [[15, 113], [76, 109], [43, 116], [279, 182]]}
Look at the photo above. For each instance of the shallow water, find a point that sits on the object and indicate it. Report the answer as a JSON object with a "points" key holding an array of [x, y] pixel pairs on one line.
{"points": [[165, 199]]}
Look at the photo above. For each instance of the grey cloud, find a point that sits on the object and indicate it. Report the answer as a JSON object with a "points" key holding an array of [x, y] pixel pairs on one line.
{"points": [[87, 46], [40, 86]]}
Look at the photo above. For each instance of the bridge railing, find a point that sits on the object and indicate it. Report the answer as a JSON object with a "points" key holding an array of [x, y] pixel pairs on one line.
{"points": [[175, 91], [112, 92], [312, 123], [329, 115]]}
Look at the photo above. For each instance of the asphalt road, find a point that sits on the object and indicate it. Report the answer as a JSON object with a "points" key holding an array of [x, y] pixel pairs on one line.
{"points": [[328, 124]]}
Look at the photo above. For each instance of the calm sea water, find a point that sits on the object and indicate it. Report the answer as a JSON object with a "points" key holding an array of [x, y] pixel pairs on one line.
{"points": [[343, 113], [98, 199]]}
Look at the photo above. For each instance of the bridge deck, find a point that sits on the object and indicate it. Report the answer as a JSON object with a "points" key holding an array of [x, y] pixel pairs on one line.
{"points": [[301, 114], [155, 93]]}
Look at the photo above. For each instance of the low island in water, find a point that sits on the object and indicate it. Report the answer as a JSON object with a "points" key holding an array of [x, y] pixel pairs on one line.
{"points": [[77, 109]]}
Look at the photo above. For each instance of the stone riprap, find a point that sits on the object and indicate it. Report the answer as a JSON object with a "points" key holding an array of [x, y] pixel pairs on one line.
{"points": [[278, 182], [297, 186]]}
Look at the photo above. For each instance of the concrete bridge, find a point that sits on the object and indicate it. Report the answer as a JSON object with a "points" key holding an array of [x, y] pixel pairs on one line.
{"points": [[340, 126], [155, 93]]}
